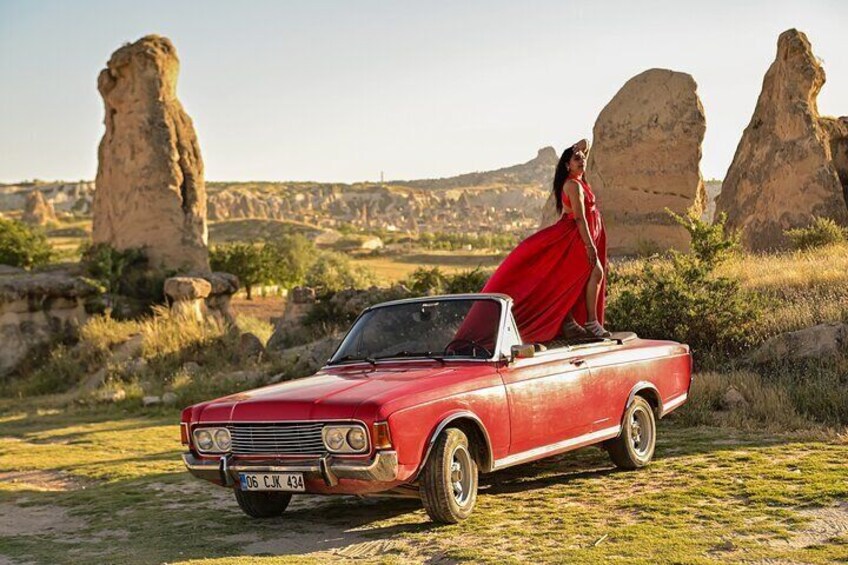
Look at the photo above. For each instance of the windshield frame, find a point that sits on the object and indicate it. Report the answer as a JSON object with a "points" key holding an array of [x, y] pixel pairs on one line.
{"points": [[503, 300]]}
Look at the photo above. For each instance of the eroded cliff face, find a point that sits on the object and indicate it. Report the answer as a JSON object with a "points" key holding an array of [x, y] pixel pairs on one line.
{"points": [[791, 164], [645, 158], [150, 189]]}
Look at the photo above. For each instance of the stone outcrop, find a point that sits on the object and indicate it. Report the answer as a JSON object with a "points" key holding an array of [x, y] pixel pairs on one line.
{"points": [[38, 309], [202, 295], [791, 164], [150, 188], [645, 158], [37, 210], [816, 342]]}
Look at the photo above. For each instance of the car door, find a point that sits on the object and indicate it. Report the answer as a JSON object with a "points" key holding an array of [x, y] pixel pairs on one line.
{"points": [[546, 403]]}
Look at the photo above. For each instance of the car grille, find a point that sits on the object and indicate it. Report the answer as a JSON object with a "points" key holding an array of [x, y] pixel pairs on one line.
{"points": [[277, 439]]}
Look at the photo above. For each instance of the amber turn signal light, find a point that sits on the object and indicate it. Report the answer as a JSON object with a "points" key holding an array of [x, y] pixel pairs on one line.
{"points": [[382, 438], [184, 433]]}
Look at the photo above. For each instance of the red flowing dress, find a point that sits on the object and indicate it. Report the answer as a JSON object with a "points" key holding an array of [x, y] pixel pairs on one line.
{"points": [[546, 274]]}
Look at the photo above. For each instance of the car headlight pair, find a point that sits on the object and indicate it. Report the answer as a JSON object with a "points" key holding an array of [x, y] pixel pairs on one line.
{"points": [[345, 439], [212, 440]]}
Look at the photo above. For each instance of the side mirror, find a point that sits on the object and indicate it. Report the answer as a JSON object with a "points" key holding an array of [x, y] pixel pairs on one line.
{"points": [[523, 351]]}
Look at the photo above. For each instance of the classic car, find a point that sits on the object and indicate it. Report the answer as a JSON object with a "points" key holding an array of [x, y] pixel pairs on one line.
{"points": [[424, 394]]}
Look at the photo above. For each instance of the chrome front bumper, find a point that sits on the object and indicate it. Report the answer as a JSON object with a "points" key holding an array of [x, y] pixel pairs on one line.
{"points": [[224, 470]]}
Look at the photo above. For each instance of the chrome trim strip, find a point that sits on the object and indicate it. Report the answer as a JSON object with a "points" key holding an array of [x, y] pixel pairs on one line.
{"points": [[546, 450], [674, 403]]}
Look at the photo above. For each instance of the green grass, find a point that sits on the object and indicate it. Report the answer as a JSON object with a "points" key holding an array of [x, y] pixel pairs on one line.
{"points": [[712, 495]]}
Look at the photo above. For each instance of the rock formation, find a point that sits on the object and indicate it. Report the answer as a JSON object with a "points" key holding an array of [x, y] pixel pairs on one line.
{"points": [[645, 158], [38, 211], [150, 189], [791, 164], [37, 309]]}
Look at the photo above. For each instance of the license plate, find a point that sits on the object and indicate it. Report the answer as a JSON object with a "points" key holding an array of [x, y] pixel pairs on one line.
{"points": [[292, 482]]}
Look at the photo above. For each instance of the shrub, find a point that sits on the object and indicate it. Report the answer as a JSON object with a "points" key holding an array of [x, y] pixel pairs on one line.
{"points": [[332, 272], [683, 300], [22, 245], [434, 281], [467, 281], [426, 281], [126, 277], [821, 232]]}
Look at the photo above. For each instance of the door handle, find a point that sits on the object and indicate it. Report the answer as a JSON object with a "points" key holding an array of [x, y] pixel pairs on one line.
{"points": [[578, 362]]}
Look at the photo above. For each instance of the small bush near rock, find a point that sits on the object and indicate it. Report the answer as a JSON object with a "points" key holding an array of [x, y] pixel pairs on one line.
{"points": [[22, 245], [132, 287], [682, 299], [823, 231]]}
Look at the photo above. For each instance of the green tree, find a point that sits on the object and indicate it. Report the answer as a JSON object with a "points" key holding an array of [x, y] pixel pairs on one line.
{"points": [[289, 259], [22, 245], [247, 261]]}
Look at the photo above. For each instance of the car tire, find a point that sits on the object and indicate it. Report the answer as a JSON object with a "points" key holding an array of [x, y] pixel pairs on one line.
{"points": [[449, 479], [634, 447], [262, 504]]}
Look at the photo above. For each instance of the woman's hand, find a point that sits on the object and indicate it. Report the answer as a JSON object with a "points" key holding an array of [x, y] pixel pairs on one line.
{"points": [[582, 145]]}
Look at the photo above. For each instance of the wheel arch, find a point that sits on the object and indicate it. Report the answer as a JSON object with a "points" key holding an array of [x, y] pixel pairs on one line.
{"points": [[474, 428], [650, 393]]}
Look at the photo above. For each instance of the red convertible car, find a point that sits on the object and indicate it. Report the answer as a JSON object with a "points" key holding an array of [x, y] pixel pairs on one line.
{"points": [[424, 394]]}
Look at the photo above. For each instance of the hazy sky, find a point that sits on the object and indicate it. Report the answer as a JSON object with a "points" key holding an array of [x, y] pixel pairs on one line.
{"points": [[339, 91]]}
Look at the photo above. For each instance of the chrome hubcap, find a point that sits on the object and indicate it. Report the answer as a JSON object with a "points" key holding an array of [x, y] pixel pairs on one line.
{"points": [[460, 475], [641, 433]]}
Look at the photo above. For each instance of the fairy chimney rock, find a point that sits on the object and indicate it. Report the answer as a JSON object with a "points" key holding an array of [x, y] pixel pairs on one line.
{"points": [[646, 158], [37, 210], [791, 164], [150, 190]]}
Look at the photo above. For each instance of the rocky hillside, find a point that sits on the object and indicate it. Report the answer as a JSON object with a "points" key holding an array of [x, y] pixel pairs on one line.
{"points": [[507, 199]]}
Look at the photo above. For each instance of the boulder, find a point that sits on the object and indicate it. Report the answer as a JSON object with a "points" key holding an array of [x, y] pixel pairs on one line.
{"points": [[37, 210], [645, 158], [187, 288], [250, 347], [304, 360], [187, 296], [733, 400], [150, 189], [822, 340], [791, 164]]}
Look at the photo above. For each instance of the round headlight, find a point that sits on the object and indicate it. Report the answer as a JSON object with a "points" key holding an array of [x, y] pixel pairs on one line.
{"points": [[222, 439], [204, 440], [335, 438], [356, 439]]}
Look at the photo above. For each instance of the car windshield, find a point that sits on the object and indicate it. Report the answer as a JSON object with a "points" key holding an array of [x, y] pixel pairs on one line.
{"points": [[441, 328]]}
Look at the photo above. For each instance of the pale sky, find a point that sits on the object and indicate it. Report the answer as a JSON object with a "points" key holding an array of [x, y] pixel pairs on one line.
{"points": [[341, 90]]}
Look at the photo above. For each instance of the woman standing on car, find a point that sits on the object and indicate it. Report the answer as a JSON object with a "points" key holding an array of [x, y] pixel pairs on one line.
{"points": [[556, 276]]}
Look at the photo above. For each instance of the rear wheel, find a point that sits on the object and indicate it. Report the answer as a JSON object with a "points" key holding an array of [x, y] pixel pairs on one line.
{"points": [[449, 480], [258, 504], [634, 448]]}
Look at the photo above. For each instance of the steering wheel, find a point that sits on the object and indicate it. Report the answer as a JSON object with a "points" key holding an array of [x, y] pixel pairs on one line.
{"points": [[470, 342]]}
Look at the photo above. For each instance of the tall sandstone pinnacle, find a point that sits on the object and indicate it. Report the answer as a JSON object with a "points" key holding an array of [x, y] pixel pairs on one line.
{"points": [[646, 158], [791, 164], [150, 190]]}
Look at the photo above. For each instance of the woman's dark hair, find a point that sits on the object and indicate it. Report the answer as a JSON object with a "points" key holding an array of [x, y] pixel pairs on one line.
{"points": [[561, 175]]}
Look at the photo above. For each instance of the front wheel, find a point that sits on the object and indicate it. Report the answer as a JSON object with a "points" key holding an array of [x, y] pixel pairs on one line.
{"points": [[634, 448], [260, 504], [449, 479]]}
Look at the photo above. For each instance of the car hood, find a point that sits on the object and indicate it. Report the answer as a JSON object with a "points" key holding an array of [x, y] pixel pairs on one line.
{"points": [[337, 392]]}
